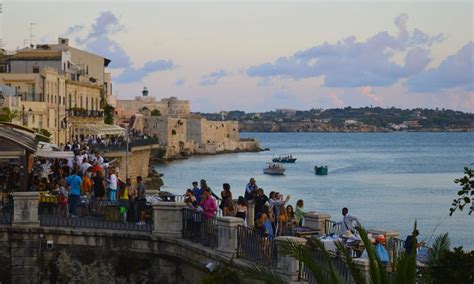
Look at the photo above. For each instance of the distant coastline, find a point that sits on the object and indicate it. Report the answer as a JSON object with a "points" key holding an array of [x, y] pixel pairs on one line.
{"points": [[367, 119]]}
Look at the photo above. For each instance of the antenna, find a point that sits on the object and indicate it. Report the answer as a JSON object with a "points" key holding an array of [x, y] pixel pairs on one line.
{"points": [[31, 34], [1, 25]]}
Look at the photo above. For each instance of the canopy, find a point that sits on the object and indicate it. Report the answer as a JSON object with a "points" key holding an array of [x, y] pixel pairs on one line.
{"points": [[98, 129], [54, 154]]}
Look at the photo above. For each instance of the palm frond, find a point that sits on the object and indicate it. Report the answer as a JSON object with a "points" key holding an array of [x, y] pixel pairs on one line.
{"points": [[303, 254], [356, 272], [377, 271], [405, 268], [440, 246]]}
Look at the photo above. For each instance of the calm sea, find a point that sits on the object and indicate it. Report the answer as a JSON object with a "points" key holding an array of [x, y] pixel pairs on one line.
{"points": [[387, 180]]}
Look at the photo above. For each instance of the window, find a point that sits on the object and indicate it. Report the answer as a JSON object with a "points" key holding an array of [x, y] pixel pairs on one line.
{"points": [[33, 119], [36, 70]]}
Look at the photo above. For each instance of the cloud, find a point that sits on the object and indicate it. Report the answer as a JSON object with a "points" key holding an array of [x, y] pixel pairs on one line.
{"points": [[131, 74], [98, 40], [212, 78], [180, 82], [351, 63], [73, 30], [368, 92], [455, 71]]}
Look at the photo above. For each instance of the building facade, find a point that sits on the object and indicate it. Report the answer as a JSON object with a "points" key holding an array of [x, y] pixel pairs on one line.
{"points": [[59, 87]]}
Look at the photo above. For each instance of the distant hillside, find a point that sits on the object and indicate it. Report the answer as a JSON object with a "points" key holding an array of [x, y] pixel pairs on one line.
{"points": [[349, 119]]}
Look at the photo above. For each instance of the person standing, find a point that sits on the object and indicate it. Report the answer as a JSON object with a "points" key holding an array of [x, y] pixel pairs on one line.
{"points": [[347, 222], [282, 228], [197, 192], [99, 190], [112, 185], [132, 195], [250, 190], [74, 183], [205, 187], [225, 194], [260, 200], [241, 208], [208, 204], [141, 200], [123, 200], [299, 212]]}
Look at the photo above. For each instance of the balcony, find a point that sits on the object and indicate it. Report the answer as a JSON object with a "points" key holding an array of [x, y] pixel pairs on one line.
{"points": [[78, 112], [30, 96]]}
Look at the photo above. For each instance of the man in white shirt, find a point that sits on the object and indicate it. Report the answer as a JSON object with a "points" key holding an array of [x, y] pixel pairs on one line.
{"points": [[347, 222], [85, 165]]}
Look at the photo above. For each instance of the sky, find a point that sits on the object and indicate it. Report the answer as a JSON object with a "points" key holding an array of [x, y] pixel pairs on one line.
{"points": [[264, 55]]}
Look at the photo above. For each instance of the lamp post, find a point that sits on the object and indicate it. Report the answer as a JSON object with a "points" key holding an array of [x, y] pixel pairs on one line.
{"points": [[127, 140], [23, 115], [30, 112]]}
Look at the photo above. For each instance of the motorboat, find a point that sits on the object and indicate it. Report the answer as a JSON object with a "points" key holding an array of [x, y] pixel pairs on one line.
{"points": [[284, 159], [321, 171], [274, 169]]}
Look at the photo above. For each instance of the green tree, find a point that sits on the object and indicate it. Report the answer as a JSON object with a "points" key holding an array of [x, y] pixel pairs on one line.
{"points": [[155, 112], [7, 115], [465, 194], [109, 114]]}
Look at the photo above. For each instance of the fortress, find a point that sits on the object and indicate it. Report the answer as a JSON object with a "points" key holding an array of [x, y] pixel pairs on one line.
{"points": [[180, 132]]}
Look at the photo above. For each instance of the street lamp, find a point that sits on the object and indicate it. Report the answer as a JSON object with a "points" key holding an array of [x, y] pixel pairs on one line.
{"points": [[127, 139]]}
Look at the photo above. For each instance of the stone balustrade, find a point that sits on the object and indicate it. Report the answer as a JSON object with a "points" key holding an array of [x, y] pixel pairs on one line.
{"points": [[316, 221], [287, 266], [25, 209], [168, 225]]}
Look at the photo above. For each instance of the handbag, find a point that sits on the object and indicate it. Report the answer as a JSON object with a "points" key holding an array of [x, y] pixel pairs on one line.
{"points": [[62, 200]]}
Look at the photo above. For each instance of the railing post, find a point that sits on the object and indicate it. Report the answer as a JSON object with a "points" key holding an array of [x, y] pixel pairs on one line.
{"points": [[227, 234], [287, 266], [250, 213], [25, 209], [168, 219], [364, 265], [316, 221]]}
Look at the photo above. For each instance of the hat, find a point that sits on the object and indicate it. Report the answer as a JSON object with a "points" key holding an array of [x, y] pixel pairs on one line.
{"points": [[347, 234], [381, 239]]}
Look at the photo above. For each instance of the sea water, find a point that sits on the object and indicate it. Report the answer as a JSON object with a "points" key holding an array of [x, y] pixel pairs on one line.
{"points": [[387, 180]]}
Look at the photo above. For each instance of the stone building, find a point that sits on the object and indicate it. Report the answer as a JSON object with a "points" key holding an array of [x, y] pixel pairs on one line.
{"points": [[60, 88], [169, 106]]}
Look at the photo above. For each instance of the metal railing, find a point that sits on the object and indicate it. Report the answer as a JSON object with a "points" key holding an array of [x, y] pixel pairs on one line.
{"points": [[396, 247], [92, 222], [199, 228], [119, 146], [340, 266], [332, 227], [253, 245]]}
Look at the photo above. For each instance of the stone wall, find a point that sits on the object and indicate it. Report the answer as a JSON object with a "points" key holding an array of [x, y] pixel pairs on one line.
{"points": [[138, 162]]}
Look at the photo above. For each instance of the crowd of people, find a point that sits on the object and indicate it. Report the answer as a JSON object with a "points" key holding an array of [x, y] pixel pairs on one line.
{"points": [[273, 215], [85, 183]]}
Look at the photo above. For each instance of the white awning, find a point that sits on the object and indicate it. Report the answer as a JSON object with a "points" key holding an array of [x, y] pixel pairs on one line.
{"points": [[54, 154], [98, 129]]}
